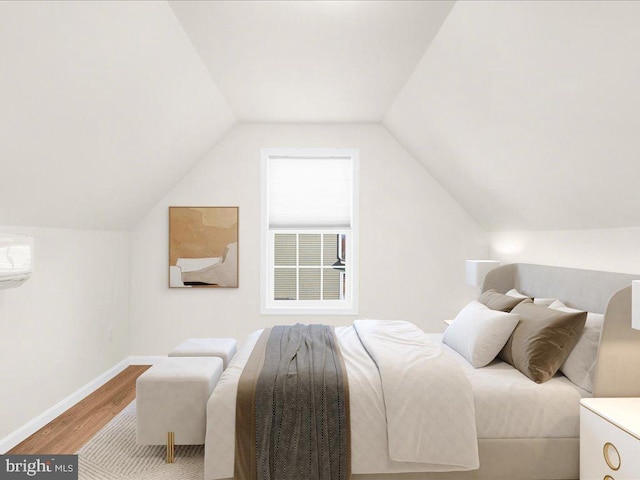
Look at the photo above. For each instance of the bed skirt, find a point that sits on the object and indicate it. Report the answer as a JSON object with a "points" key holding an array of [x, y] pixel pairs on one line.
{"points": [[509, 459]]}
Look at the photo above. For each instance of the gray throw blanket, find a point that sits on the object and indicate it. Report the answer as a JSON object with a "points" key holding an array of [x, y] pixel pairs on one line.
{"points": [[298, 421]]}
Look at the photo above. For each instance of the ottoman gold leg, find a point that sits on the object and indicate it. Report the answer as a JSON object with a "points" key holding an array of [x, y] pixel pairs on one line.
{"points": [[170, 446]]}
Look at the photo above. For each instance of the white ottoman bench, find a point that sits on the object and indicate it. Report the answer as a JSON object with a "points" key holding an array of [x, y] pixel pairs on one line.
{"points": [[171, 401], [224, 348]]}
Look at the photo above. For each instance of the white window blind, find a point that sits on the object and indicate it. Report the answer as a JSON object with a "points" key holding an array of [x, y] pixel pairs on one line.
{"points": [[310, 192]]}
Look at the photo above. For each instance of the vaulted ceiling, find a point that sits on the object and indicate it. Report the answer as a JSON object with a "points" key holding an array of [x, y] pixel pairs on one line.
{"points": [[311, 61], [526, 112], [104, 106]]}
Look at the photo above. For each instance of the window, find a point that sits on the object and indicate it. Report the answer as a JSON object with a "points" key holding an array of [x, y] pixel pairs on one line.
{"points": [[309, 231]]}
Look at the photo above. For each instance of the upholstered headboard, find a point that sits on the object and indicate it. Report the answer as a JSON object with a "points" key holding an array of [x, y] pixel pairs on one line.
{"points": [[618, 367]]}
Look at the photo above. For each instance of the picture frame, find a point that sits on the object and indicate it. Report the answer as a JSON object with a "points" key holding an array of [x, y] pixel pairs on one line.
{"points": [[203, 247]]}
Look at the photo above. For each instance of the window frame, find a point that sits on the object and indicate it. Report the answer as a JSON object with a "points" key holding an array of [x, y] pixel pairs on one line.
{"points": [[269, 306]]}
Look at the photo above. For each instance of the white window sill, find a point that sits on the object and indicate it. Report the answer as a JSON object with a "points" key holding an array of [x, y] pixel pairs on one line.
{"points": [[308, 311]]}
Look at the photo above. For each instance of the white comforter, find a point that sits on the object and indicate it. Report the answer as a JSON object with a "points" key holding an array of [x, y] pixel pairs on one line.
{"points": [[428, 423], [428, 400]]}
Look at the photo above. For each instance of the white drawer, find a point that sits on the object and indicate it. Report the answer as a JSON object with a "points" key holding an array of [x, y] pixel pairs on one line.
{"points": [[595, 433]]}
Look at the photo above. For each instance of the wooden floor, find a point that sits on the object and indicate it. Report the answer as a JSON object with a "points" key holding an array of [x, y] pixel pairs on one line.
{"points": [[71, 430]]}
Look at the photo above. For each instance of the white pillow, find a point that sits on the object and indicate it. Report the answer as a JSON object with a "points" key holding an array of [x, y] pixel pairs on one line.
{"points": [[479, 333], [580, 365], [515, 294], [545, 302]]}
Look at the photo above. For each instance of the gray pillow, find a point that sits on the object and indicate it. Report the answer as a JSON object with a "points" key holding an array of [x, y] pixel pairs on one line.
{"points": [[580, 365], [542, 340], [498, 301]]}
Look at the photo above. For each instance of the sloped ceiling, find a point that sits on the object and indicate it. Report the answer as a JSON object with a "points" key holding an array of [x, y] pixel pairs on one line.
{"points": [[311, 61], [529, 113], [103, 107], [526, 112]]}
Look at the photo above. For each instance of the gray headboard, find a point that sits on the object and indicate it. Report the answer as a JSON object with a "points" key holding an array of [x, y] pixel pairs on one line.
{"points": [[617, 370]]}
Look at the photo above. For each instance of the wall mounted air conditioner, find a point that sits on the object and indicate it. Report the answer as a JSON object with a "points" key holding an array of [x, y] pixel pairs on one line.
{"points": [[16, 259]]}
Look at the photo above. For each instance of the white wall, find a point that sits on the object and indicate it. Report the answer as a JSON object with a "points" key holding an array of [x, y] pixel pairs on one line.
{"points": [[614, 250], [413, 240], [54, 328]]}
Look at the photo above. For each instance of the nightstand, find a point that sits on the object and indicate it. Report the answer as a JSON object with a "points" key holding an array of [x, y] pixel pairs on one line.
{"points": [[610, 439]]}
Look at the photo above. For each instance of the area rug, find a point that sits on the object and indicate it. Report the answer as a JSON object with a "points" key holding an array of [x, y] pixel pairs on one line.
{"points": [[113, 454]]}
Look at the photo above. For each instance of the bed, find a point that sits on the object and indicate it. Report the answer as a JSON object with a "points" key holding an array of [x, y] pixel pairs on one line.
{"points": [[524, 430]]}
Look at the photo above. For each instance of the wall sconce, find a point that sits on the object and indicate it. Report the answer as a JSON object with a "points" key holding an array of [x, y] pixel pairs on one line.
{"points": [[477, 269], [635, 304]]}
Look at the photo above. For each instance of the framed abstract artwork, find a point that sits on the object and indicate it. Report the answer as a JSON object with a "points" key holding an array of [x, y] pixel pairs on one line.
{"points": [[203, 247]]}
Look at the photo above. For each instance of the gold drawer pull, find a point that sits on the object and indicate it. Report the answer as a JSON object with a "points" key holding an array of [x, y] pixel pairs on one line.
{"points": [[612, 457], [608, 477]]}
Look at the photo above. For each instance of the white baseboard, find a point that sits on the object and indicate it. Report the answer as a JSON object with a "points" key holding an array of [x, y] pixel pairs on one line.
{"points": [[145, 360], [14, 438]]}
